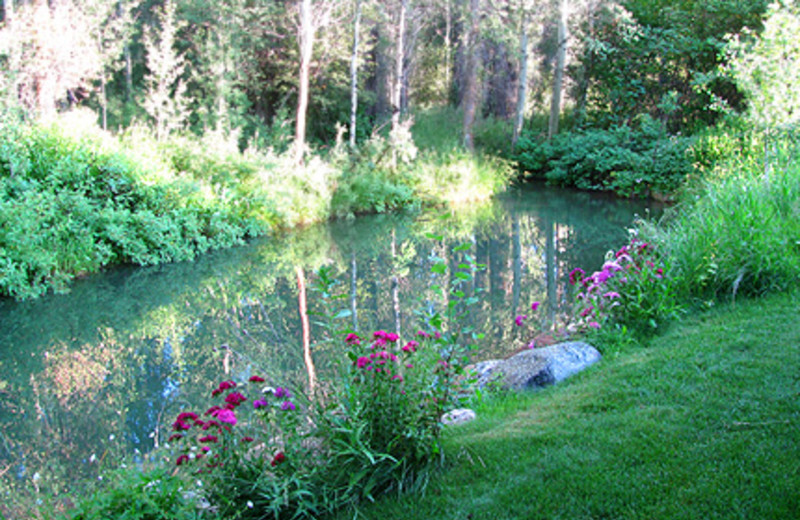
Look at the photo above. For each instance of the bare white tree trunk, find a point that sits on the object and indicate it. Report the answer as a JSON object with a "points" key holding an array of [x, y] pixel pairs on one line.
{"points": [[397, 90], [354, 74], [522, 92], [471, 90], [558, 76], [306, 50]]}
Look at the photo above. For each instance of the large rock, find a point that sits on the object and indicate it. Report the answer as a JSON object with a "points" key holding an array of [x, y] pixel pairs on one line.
{"points": [[536, 367]]}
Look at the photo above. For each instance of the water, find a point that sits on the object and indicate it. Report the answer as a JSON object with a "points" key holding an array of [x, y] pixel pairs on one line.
{"points": [[97, 375]]}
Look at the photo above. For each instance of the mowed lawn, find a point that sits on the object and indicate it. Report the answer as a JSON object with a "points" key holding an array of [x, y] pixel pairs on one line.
{"points": [[702, 423]]}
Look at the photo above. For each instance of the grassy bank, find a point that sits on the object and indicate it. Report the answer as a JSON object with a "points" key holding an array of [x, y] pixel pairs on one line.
{"points": [[704, 423], [75, 199]]}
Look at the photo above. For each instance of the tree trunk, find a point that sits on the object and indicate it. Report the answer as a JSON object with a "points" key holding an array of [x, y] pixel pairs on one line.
{"points": [[354, 290], [471, 90], [448, 51], [306, 49], [522, 92], [8, 11], [397, 90], [558, 76], [354, 75]]}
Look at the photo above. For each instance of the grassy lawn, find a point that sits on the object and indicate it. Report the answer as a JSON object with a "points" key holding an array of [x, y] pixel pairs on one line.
{"points": [[703, 423]]}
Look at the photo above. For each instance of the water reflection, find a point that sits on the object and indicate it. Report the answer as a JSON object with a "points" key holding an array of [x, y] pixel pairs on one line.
{"points": [[100, 372]]}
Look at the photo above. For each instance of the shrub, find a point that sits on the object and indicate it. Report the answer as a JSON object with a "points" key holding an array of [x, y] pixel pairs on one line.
{"points": [[629, 161]]}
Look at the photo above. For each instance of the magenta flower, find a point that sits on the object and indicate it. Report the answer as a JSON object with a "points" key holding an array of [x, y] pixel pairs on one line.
{"points": [[423, 334], [226, 416], [362, 362], [211, 424], [180, 425], [277, 459], [352, 339], [282, 393], [576, 275], [519, 319], [594, 325], [235, 399], [257, 379], [187, 415], [397, 377], [287, 406], [411, 346], [534, 306], [612, 295], [259, 403], [587, 311], [211, 410]]}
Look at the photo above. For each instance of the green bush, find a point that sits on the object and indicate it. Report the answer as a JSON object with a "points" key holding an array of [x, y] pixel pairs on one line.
{"points": [[629, 161]]}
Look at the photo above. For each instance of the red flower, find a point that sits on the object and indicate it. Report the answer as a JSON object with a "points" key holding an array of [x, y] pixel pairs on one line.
{"points": [[180, 425], [235, 399], [257, 379], [175, 437], [211, 410], [247, 439], [278, 458], [208, 438], [187, 415], [181, 459]]}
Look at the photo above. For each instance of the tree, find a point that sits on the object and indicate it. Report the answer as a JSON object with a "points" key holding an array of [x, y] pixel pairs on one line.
{"points": [[166, 101], [354, 73], [470, 100], [306, 40], [558, 73]]}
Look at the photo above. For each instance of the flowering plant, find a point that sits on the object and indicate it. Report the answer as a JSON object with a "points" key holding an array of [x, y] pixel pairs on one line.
{"points": [[242, 445], [632, 290]]}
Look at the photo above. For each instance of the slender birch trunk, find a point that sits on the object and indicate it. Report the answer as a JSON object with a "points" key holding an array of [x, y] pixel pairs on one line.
{"points": [[522, 92], [354, 74], [558, 76], [306, 49], [471, 90]]}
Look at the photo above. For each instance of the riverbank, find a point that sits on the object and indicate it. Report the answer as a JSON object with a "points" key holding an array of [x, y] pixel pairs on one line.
{"points": [[75, 199], [701, 423]]}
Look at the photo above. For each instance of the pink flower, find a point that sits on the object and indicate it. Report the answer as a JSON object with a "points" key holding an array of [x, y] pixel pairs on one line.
{"points": [[519, 319], [576, 275], [411, 346], [534, 306], [612, 295], [594, 325], [235, 399], [423, 334], [398, 377], [352, 339], [362, 362], [256, 379], [226, 416], [587, 311]]}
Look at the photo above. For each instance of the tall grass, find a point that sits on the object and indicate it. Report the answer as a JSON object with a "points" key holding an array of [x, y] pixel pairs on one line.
{"points": [[737, 232]]}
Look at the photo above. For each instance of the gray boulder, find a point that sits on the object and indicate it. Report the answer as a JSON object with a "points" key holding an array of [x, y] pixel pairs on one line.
{"points": [[536, 367]]}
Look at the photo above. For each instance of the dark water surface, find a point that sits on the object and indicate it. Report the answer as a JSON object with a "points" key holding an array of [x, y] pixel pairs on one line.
{"points": [[98, 374]]}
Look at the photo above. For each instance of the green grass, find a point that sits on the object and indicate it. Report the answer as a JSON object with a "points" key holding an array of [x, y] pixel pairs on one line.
{"points": [[704, 423]]}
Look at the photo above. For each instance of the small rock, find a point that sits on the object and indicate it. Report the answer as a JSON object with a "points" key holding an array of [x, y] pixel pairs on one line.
{"points": [[458, 416]]}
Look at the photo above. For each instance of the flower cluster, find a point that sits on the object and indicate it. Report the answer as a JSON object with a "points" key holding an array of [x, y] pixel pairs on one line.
{"points": [[630, 289], [212, 435]]}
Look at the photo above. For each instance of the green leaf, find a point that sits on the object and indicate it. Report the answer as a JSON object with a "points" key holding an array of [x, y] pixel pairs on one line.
{"points": [[439, 268]]}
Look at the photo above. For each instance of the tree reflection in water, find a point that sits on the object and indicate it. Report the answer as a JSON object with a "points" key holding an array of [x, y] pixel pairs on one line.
{"points": [[89, 377]]}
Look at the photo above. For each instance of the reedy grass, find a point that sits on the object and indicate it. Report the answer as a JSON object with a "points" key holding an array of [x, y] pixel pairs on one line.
{"points": [[737, 232], [702, 424]]}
